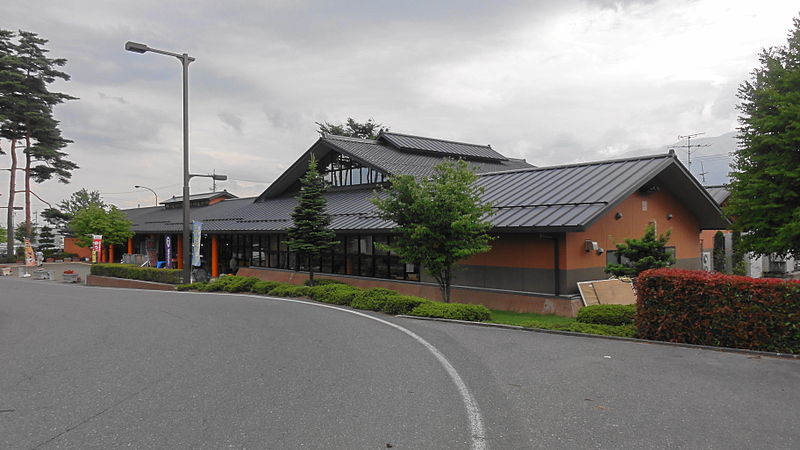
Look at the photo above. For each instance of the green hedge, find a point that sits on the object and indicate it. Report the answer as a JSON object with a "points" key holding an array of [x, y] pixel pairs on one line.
{"points": [[458, 311], [607, 314], [290, 290], [337, 294], [323, 282], [709, 308], [134, 272], [264, 287], [589, 328], [386, 300]]}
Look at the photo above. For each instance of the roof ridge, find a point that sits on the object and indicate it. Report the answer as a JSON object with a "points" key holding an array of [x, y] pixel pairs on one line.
{"points": [[436, 139], [579, 164], [349, 138]]}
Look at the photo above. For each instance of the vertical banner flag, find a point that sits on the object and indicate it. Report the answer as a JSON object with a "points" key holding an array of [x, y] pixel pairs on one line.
{"points": [[30, 259], [197, 230], [97, 246], [168, 250]]}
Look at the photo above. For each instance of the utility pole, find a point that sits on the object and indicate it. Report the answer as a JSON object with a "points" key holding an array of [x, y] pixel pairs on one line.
{"points": [[703, 172], [688, 147]]}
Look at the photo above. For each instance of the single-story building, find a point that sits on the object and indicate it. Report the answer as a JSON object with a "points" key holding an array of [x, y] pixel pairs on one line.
{"points": [[554, 226]]}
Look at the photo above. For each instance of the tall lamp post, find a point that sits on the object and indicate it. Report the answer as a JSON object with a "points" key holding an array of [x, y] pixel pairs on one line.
{"points": [[185, 59], [145, 187]]}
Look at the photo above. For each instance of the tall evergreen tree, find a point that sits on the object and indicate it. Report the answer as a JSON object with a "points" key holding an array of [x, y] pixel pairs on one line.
{"points": [[309, 234], [28, 114], [765, 182], [60, 216], [47, 241], [440, 220]]}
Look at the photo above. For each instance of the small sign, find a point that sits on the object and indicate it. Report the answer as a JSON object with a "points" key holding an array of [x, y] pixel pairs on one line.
{"points": [[30, 259], [168, 250], [97, 246], [197, 230]]}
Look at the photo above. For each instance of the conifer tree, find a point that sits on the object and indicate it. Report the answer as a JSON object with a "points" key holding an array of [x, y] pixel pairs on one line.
{"points": [[309, 234], [642, 254], [765, 182]]}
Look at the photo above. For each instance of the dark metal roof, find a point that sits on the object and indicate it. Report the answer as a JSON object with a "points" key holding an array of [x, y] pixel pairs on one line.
{"points": [[203, 196], [547, 199], [440, 147], [383, 157], [718, 193]]}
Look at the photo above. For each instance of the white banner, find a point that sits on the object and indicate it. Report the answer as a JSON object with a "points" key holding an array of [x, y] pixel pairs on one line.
{"points": [[197, 230]]}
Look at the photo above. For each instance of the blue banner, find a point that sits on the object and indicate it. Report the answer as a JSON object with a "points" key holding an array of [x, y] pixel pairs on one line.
{"points": [[168, 250]]}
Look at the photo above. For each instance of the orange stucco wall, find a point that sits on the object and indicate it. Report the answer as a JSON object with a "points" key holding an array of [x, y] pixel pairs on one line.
{"points": [[609, 231], [71, 247], [516, 250]]}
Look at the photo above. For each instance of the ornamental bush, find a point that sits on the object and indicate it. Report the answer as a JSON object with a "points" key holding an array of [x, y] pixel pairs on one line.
{"points": [[458, 311], [236, 283], [191, 287], [263, 287], [607, 314], [708, 308], [134, 272], [386, 300], [290, 290], [337, 294]]}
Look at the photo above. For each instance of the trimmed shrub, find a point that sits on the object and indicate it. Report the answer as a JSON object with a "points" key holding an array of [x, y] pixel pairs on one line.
{"points": [[588, 328], [607, 314], [337, 294], [134, 272], [324, 282], [708, 308], [239, 284], [373, 299], [191, 287], [458, 311], [263, 287], [290, 290]]}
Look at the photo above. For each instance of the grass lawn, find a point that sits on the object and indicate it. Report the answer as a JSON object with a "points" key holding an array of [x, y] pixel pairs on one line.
{"points": [[516, 318]]}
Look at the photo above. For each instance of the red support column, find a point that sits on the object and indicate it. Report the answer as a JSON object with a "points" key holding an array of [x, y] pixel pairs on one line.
{"points": [[130, 245], [110, 253], [214, 256], [180, 253]]}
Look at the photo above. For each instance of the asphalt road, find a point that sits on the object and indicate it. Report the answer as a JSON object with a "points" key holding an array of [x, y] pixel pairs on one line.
{"points": [[85, 367]]}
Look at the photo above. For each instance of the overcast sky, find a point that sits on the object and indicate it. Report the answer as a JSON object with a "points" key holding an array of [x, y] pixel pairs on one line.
{"points": [[550, 81]]}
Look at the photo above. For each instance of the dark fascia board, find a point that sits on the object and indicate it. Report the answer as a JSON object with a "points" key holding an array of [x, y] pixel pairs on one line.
{"points": [[320, 149]]}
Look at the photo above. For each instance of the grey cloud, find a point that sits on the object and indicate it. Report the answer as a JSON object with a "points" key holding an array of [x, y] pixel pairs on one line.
{"points": [[231, 120]]}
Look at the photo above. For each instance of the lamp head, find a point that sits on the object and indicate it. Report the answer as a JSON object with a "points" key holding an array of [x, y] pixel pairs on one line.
{"points": [[136, 47]]}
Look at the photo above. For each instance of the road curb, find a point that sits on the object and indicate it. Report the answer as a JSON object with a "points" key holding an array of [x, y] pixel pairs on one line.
{"points": [[614, 338]]}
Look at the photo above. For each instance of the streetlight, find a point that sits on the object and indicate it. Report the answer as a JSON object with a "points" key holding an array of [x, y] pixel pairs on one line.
{"points": [[185, 59], [145, 187]]}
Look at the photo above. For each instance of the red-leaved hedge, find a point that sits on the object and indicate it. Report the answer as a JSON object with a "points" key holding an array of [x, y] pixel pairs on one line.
{"points": [[708, 308]]}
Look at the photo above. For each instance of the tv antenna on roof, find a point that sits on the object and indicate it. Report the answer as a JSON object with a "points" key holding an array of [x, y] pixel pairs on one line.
{"points": [[688, 147], [703, 172]]}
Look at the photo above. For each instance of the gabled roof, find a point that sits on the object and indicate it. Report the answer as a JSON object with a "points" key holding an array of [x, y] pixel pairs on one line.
{"points": [[440, 147], [382, 155], [204, 196], [719, 193], [547, 199], [572, 197]]}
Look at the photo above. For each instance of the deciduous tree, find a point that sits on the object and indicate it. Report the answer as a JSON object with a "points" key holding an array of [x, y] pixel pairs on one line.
{"points": [[112, 223], [440, 220], [765, 182], [367, 130]]}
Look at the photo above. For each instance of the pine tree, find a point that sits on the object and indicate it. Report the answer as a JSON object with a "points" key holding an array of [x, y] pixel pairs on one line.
{"points": [[47, 241], [765, 182], [309, 234], [642, 254], [367, 130], [25, 73]]}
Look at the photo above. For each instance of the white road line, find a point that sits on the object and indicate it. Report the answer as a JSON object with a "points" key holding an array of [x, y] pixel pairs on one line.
{"points": [[477, 430]]}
